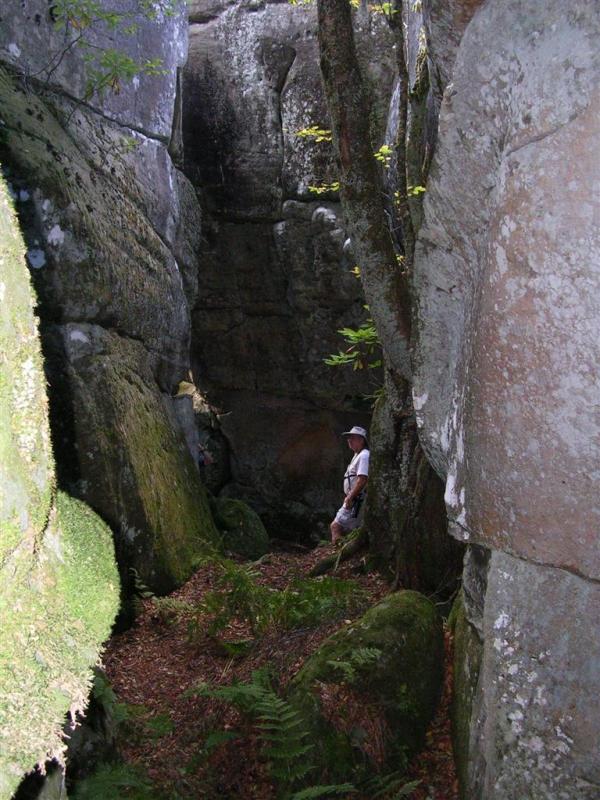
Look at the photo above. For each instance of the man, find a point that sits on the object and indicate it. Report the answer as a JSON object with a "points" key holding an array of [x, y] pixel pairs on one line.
{"points": [[355, 482]]}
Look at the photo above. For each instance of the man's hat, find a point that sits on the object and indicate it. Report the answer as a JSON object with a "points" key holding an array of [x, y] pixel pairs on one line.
{"points": [[356, 430]]}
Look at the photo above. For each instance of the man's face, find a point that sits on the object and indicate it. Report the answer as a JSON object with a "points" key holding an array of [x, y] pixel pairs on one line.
{"points": [[355, 442]]}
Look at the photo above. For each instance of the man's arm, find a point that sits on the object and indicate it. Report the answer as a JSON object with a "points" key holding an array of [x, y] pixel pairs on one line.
{"points": [[359, 485]]}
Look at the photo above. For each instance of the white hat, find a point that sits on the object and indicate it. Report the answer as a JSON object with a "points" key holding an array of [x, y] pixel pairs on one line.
{"points": [[356, 430]]}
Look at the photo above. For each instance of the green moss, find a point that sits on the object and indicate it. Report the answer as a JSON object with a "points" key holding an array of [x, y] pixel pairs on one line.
{"points": [[26, 467], [467, 661], [402, 686], [57, 607], [58, 579], [140, 476], [243, 531]]}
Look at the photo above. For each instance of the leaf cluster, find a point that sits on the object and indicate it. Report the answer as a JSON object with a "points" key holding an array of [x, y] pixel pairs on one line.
{"points": [[109, 68], [363, 351], [315, 133], [385, 8], [325, 188], [384, 155], [106, 68]]}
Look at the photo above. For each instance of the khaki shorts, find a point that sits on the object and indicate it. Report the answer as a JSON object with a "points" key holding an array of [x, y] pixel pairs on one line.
{"points": [[345, 519]]}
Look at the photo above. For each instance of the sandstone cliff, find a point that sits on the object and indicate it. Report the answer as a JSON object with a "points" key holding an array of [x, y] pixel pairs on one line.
{"points": [[111, 228]]}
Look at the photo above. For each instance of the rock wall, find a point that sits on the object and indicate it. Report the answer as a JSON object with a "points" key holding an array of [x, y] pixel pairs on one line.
{"points": [[277, 284], [406, 515], [506, 384], [59, 582], [112, 229]]}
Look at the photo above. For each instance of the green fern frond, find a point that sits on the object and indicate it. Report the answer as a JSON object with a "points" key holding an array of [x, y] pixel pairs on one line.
{"points": [[314, 792]]}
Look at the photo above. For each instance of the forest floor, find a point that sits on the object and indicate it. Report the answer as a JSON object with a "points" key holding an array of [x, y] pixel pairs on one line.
{"points": [[184, 741]]}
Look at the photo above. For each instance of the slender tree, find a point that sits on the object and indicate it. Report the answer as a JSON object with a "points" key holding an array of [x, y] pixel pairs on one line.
{"points": [[385, 283]]}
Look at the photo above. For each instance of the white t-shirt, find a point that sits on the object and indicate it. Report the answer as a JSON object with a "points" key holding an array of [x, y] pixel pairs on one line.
{"points": [[358, 466]]}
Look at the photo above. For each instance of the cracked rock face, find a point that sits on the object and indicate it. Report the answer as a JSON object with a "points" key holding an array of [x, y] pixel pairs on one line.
{"points": [[506, 385], [275, 284], [112, 230]]}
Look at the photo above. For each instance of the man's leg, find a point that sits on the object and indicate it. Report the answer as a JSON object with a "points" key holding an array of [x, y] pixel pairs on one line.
{"points": [[337, 532]]}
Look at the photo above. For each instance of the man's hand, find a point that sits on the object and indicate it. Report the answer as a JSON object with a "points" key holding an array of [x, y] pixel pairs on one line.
{"points": [[361, 482]]}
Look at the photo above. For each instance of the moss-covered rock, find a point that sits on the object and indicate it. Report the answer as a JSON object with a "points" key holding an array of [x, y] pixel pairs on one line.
{"points": [[468, 651], [58, 580], [370, 690], [134, 466], [242, 528]]}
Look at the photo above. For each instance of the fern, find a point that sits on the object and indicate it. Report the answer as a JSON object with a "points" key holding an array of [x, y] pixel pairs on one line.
{"points": [[323, 791], [238, 595], [360, 660], [139, 586], [391, 786], [114, 781], [284, 736], [282, 730], [104, 695]]}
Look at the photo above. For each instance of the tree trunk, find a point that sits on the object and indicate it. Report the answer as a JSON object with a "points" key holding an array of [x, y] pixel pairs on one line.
{"points": [[385, 284], [405, 515]]}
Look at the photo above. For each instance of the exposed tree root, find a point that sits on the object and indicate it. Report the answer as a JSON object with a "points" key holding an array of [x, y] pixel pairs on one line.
{"points": [[357, 542]]}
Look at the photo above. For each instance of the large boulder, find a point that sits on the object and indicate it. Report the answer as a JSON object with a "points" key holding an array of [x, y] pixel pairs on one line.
{"points": [[370, 690], [112, 230], [59, 585], [506, 381], [133, 465], [243, 531]]}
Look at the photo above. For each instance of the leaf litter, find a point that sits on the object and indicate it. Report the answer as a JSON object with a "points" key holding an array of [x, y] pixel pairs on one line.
{"points": [[202, 748]]}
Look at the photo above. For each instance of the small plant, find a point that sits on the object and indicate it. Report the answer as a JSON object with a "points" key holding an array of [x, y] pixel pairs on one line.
{"points": [[114, 781], [360, 661], [284, 736], [110, 68], [387, 9], [384, 155], [140, 587], [104, 695], [390, 786], [363, 351], [170, 609], [315, 133], [324, 188]]}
